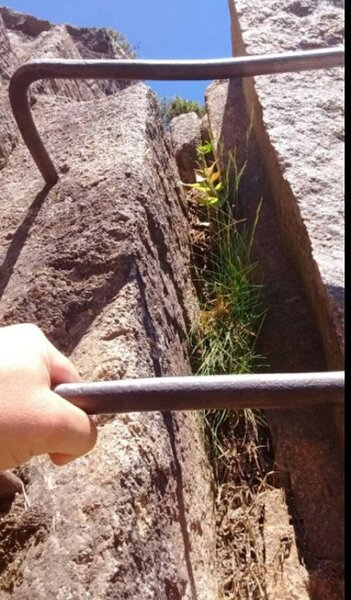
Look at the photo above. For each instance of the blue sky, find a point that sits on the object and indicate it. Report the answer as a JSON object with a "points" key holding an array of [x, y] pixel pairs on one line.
{"points": [[176, 29]]}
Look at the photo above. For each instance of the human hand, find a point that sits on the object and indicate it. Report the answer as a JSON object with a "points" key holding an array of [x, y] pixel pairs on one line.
{"points": [[33, 419]]}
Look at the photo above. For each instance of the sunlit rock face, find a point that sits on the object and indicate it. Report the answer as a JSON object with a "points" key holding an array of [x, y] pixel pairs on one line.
{"points": [[101, 263]]}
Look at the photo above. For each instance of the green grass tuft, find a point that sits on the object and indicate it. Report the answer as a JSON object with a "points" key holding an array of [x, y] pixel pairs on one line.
{"points": [[231, 310]]}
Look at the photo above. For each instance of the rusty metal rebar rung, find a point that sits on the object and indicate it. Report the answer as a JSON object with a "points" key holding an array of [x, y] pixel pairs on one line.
{"points": [[268, 391], [246, 66]]}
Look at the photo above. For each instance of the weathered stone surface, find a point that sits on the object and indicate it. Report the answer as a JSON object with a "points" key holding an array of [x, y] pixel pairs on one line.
{"points": [[298, 119], [107, 257], [286, 577], [186, 135], [26, 24], [23, 38], [7, 58], [328, 581], [205, 129], [8, 133], [100, 262]]}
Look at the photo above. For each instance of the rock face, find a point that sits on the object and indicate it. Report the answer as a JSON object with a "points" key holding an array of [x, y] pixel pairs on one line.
{"points": [[295, 164], [8, 133], [100, 263], [186, 135], [307, 457], [23, 37], [298, 120]]}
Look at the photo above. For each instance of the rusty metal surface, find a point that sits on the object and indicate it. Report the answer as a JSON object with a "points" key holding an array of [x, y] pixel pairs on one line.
{"points": [[228, 68], [268, 391]]}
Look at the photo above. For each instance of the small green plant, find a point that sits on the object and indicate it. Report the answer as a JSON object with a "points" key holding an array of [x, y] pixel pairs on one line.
{"points": [[209, 185], [173, 107], [220, 189], [231, 311]]}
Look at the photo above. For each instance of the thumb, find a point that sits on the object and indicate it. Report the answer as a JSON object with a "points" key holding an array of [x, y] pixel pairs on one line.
{"points": [[61, 369], [68, 432]]}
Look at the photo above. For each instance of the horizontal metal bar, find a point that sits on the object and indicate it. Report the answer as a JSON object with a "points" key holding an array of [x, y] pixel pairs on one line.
{"points": [[268, 391], [176, 70], [227, 68]]}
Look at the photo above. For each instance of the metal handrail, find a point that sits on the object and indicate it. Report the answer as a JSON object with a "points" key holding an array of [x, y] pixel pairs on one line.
{"points": [[228, 68], [267, 391]]}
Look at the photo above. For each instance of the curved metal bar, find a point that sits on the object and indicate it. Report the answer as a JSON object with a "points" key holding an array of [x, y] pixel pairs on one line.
{"points": [[227, 68], [290, 390]]}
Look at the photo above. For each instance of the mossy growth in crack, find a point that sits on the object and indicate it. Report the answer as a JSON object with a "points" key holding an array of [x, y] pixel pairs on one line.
{"points": [[224, 342]]}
